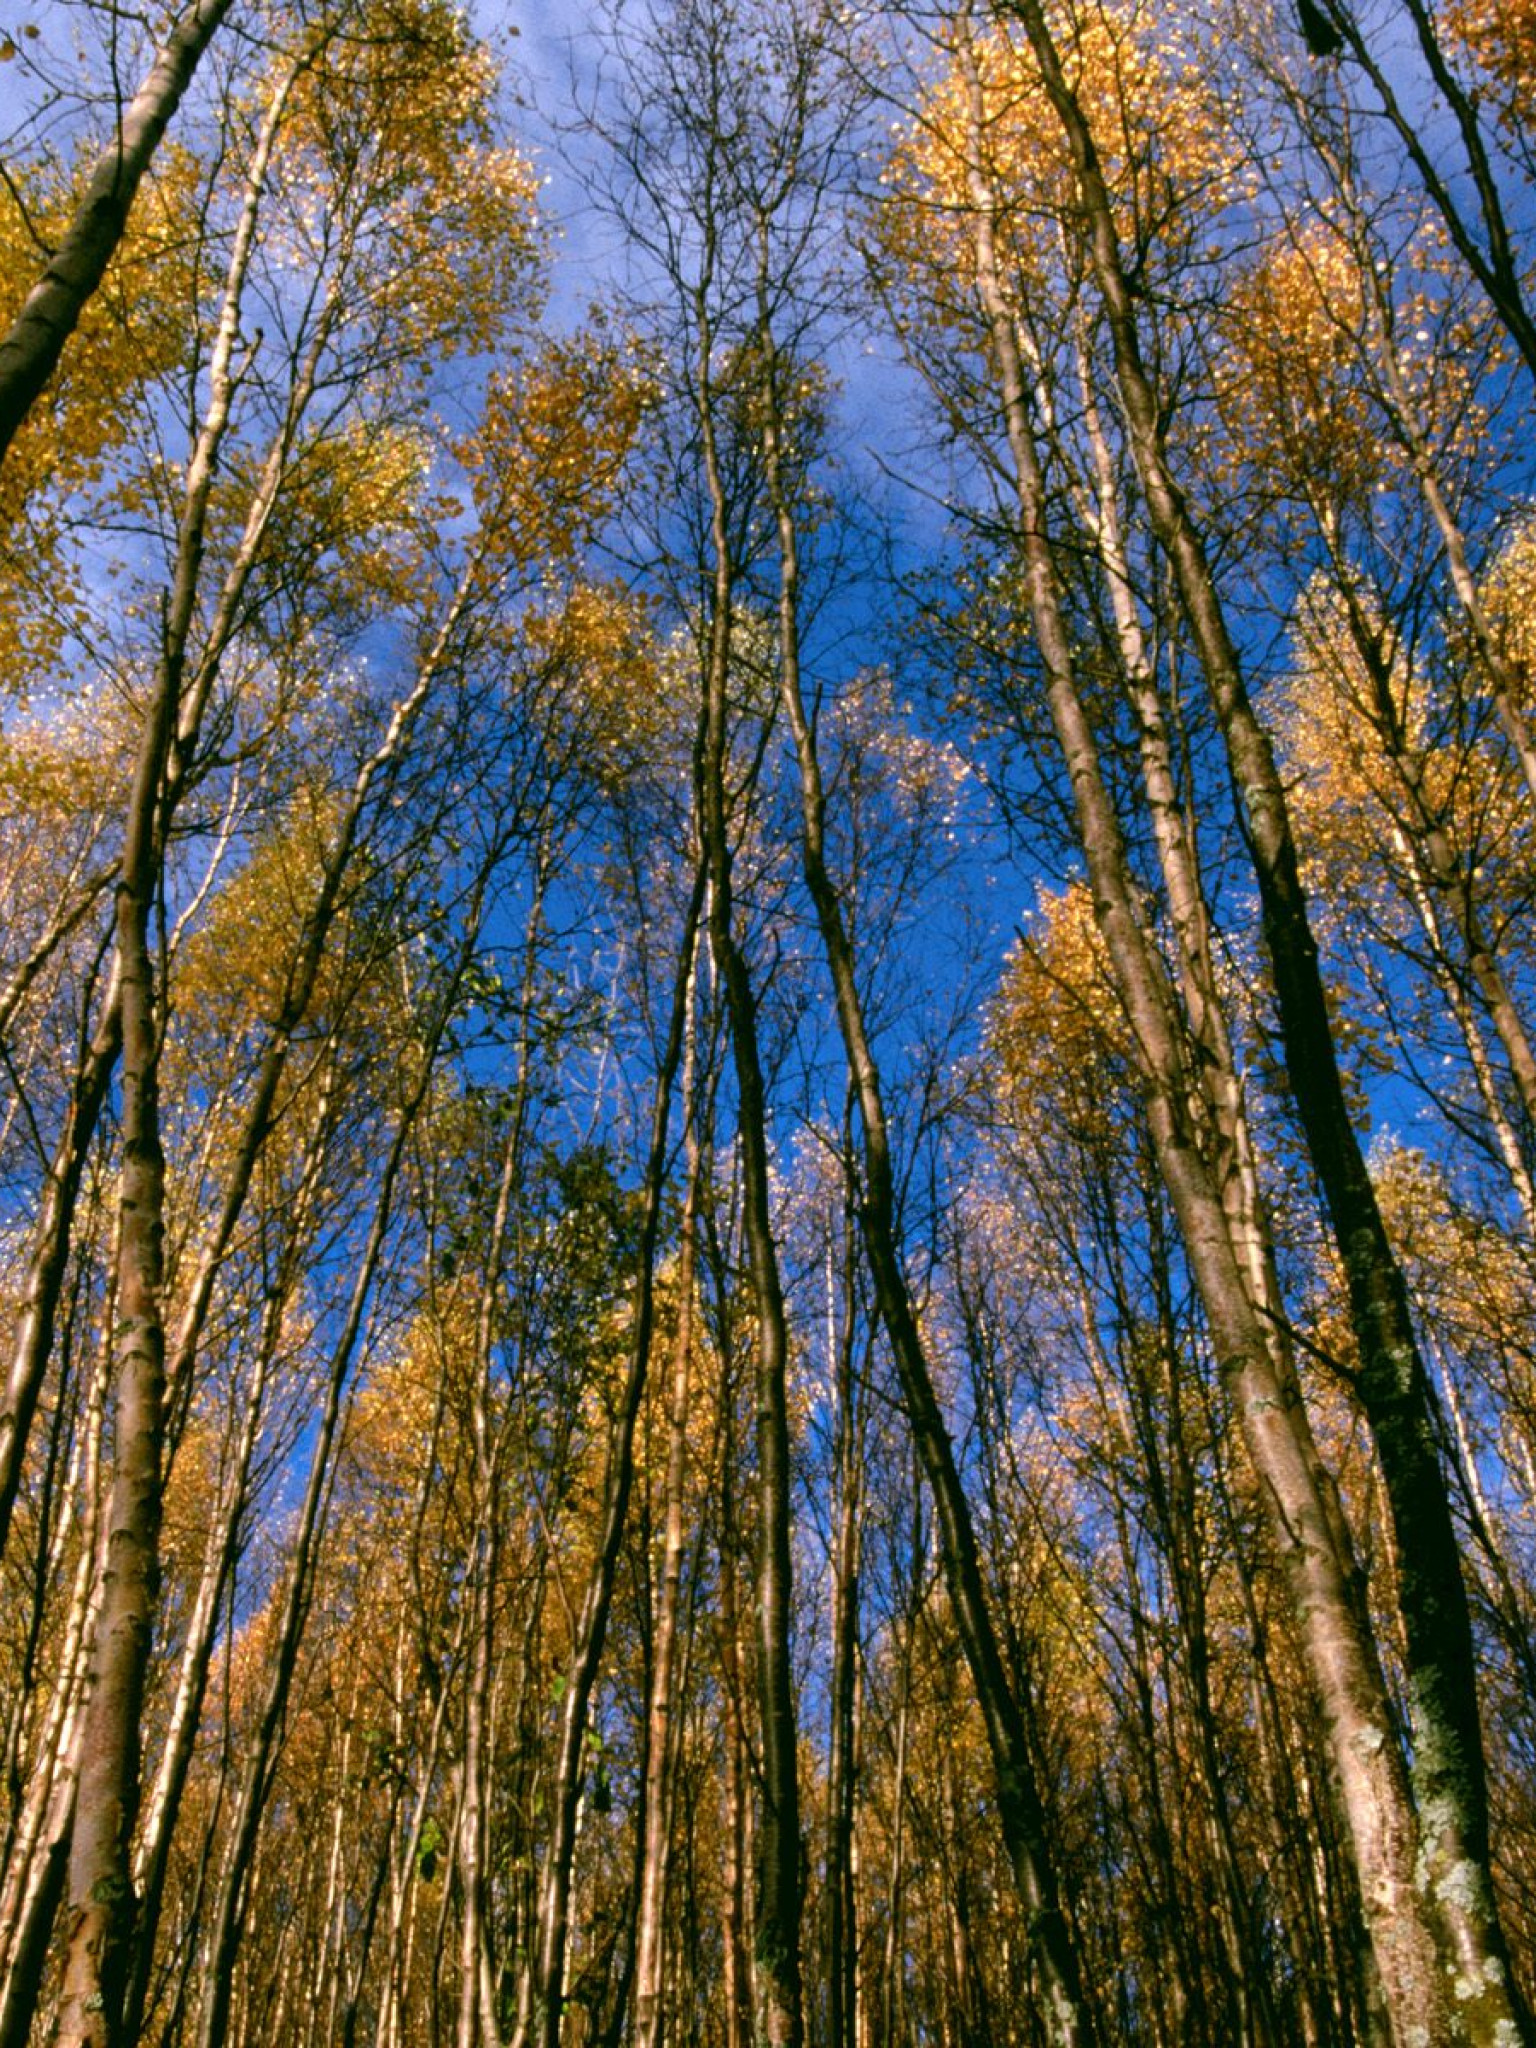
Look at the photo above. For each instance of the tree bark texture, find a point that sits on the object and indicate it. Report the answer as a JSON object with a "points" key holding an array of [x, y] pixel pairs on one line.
{"points": [[30, 352], [1451, 1851], [540, 2015], [777, 1936], [1021, 1809]]}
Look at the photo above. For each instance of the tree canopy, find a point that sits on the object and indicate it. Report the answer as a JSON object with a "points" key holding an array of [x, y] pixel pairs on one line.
{"points": [[768, 1025]]}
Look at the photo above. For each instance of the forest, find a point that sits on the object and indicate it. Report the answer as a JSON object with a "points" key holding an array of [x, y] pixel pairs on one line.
{"points": [[768, 1024]]}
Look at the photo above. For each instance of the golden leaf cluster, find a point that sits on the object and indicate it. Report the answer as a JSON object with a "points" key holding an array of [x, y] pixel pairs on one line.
{"points": [[1059, 1045], [396, 109], [613, 704], [1500, 36], [1509, 599], [1373, 777], [64, 460], [987, 117], [549, 454], [1294, 325]]}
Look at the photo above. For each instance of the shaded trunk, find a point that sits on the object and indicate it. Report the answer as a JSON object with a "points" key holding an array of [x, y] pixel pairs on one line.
{"points": [[842, 1765], [735, 1802], [31, 350], [1005, 1714], [778, 1888], [50, 1256], [39, 1851], [662, 1707], [539, 2016], [1307, 1524]]}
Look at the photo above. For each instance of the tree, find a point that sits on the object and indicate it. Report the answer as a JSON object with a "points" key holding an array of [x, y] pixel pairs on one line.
{"points": [[1217, 1212], [35, 340], [766, 1239]]}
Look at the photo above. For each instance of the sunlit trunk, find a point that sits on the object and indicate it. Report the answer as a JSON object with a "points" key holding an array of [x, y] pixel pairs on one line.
{"points": [[663, 1706]]}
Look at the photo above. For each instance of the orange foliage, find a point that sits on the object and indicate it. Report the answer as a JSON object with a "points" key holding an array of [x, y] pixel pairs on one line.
{"points": [[1057, 1035], [1500, 35], [1163, 149]]}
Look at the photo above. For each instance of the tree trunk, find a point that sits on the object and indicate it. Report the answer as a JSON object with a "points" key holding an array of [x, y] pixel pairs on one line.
{"points": [[1307, 1523], [662, 1707], [1494, 261], [478, 2022], [50, 1256], [232, 1898], [1452, 1873], [101, 1896], [540, 2015], [843, 1762], [32, 348], [1006, 1717], [778, 1895], [735, 1818], [39, 1851]]}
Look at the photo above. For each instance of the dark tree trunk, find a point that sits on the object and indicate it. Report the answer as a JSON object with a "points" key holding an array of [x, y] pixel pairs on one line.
{"points": [[30, 352]]}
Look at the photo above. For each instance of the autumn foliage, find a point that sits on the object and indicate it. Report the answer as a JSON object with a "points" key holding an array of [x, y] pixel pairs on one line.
{"points": [[768, 1032]]}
